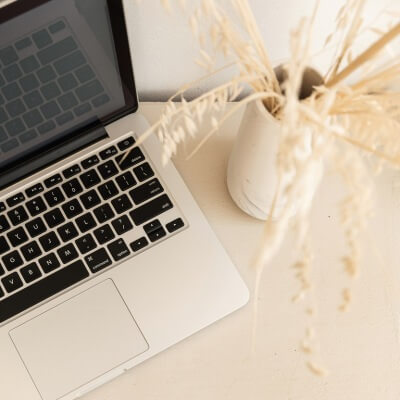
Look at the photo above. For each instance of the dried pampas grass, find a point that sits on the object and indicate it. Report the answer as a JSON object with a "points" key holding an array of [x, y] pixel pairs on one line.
{"points": [[351, 120]]}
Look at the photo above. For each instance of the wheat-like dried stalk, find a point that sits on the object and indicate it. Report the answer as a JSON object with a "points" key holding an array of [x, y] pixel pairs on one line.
{"points": [[347, 123]]}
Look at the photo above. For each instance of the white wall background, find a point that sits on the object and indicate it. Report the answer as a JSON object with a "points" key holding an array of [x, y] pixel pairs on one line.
{"points": [[164, 50]]}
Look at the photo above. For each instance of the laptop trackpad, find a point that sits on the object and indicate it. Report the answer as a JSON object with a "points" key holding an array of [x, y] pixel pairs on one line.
{"points": [[78, 341]]}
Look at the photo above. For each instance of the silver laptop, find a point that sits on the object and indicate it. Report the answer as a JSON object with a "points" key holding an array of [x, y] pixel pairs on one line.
{"points": [[105, 260]]}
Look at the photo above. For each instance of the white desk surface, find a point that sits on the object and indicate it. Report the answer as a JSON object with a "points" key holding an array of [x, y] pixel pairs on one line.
{"points": [[360, 348]]}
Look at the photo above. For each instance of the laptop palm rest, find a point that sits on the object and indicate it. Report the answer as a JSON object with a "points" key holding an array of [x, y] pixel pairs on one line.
{"points": [[78, 340]]}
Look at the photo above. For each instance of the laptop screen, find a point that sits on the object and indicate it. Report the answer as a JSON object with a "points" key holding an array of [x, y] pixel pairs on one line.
{"points": [[59, 73]]}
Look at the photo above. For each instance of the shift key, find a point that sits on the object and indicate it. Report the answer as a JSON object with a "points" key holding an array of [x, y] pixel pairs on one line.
{"points": [[146, 191], [151, 209]]}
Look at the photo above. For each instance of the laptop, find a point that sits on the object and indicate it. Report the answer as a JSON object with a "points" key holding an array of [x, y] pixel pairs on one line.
{"points": [[105, 259]]}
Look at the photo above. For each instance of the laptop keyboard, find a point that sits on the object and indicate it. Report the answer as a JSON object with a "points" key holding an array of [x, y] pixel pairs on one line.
{"points": [[46, 83], [74, 224]]}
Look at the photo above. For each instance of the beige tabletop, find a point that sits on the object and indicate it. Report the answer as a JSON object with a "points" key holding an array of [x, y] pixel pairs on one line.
{"points": [[360, 348]]}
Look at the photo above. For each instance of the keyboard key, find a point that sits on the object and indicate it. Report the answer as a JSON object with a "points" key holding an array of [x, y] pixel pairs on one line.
{"points": [[10, 145], [36, 206], [11, 91], [29, 64], [15, 127], [72, 208], [108, 169], [69, 63], [46, 127], [29, 83], [54, 197], [146, 191], [23, 43], [1, 293], [49, 241], [4, 246], [90, 199], [104, 234], [2, 206], [143, 172], [104, 213], [8, 55], [90, 162], [121, 204], [98, 260], [90, 178], [17, 236], [31, 272], [42, 289], [46, 74], [126, 180], [118, 249], [12, 72], [133, 157], [2, 272], [139, 244], [50, 91], [49, 263], [85, 74], [82, 109], [12, 282], [67, 253], [32, 118], [68, 82], [50, 110], [67, 232], [108, 190], [4, 225], [53, 180], [86, 222], [16, 199], [157, 234], [56, 50], [107, 153], [34, 190], [72, 188], [152, 226], [126, 143], [42, 38], [151, 209], [122, 225], [86, 243], [17, 215], [28, 136], [54, 218], [67, 101], [15, 108], [12, 260], [31, 251], [3, 134], [71, 171], [35, 227], [57, 27], [3, 115], [89, 90], [33, 99], [64, 118], [175, 225], [100, 100]]}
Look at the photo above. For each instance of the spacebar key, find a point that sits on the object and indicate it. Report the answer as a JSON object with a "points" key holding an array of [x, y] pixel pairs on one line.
{"points": [[151, 209], [42, 290]]}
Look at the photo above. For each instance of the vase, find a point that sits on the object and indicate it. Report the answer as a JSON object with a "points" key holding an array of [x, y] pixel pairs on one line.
{"points": [[252, 173]]}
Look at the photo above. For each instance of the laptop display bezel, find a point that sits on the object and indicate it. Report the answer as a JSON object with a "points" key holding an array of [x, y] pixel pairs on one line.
{"points": [[94, 131]]}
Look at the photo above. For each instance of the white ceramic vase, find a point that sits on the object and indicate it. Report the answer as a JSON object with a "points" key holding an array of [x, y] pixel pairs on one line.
{"points": [[252, 176]]}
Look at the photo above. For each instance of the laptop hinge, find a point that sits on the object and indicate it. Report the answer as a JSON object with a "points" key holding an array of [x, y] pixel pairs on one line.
{"points": [[45, 158]]}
